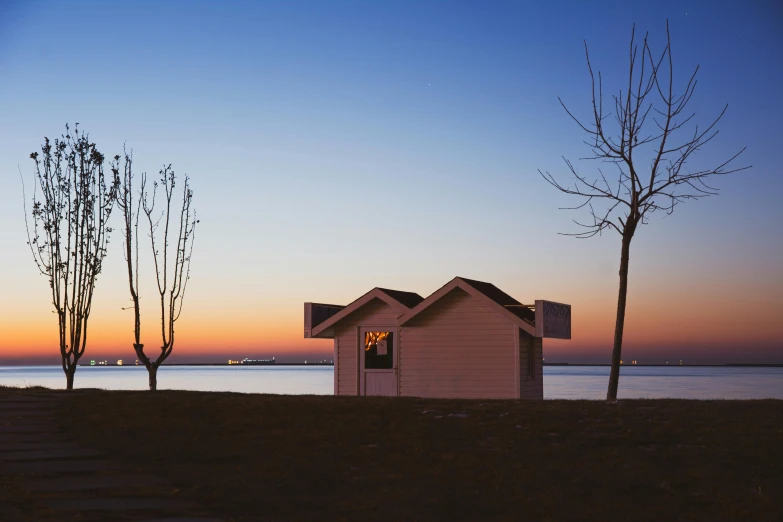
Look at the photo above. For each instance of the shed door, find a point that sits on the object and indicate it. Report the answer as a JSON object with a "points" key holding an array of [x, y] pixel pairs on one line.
{"points": [[378, 361]]}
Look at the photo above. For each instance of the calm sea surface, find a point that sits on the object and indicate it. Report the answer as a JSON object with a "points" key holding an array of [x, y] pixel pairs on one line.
{"points": [[560, 382]]}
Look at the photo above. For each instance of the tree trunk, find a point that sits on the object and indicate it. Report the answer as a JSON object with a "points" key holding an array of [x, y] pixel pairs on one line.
{"points": [[70, 372], [153, 371], [614, 374]]}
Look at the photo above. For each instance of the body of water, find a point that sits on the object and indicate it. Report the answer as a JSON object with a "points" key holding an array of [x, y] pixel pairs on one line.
{"points": [[560, 382]]}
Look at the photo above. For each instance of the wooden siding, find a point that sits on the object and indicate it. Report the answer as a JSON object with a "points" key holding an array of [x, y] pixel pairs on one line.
{"points": [[336, 370], [374, 313], [531, 369], [458, 348]]}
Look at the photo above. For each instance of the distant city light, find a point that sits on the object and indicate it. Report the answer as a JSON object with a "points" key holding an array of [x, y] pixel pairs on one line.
{"points": [[253, 362]]}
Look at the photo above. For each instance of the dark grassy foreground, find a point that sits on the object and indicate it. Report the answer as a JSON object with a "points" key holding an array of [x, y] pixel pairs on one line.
{"points": [[261, 457]]}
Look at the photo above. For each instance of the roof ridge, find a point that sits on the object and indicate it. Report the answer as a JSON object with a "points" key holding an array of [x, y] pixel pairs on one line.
{"points": [[492, 291], [408, 299]]}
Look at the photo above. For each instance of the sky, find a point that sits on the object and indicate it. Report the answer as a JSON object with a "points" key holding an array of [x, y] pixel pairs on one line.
{"points": [[338, 146]]}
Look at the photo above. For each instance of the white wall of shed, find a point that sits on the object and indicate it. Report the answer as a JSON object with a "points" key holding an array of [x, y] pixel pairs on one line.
{"points": [[346, 334], [458, 348]]}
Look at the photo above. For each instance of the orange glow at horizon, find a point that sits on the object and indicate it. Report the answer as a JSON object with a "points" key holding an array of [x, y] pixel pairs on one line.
{"points": [[651, 328]]}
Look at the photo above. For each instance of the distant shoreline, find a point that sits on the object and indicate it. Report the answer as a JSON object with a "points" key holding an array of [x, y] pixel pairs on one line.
{"points": [[210, 364], [772, 365], [741, 365]]}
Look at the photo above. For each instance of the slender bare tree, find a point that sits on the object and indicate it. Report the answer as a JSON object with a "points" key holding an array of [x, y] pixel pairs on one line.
{"points": [[131, 210], [70, 233], [171, 259], [646, 140]]}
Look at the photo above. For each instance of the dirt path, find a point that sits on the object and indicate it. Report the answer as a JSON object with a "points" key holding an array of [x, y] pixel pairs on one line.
{"points": [[56, 479]]}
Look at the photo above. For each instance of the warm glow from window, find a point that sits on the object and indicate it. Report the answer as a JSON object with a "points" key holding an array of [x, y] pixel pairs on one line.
{"points": [[378, 350], [372, 338]]}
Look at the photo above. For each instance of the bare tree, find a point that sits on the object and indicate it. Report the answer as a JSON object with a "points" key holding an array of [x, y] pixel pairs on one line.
{"points": [[171, 259], [70, 233], [645, 141], [130, 229]]}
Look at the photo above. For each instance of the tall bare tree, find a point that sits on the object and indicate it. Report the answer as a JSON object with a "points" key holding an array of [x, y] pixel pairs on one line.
{"points": [[645, 138], [171, 259], [70, 233], [131, 209]]}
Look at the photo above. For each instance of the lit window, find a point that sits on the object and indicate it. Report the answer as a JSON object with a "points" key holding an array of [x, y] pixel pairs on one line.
{"points": [[378, 350]]}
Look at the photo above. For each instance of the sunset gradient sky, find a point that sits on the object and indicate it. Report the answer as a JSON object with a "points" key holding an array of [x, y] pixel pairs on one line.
{"points": [[338, 146]]}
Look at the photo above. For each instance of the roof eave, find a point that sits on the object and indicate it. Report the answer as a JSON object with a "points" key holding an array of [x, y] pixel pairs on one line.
{"points": [[457, 282], [375, 293]]}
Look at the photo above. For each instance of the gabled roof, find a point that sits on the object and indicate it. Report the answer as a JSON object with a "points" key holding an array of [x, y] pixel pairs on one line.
{"points": [[503, 299], [397, 299], [490, 295], [409, 299]]}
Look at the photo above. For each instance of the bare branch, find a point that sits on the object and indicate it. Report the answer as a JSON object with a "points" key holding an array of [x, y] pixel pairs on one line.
{"points": [[172, 268], [649, 120], [70, 233]]}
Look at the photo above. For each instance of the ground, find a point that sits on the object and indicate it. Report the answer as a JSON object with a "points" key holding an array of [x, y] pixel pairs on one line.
{"points": [[266, 457]]}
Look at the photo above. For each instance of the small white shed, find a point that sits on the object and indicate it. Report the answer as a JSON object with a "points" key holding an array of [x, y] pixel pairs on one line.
{"points": [[469, 339]]}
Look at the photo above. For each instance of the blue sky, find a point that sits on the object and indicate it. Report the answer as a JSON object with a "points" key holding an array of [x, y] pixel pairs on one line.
{"points": [[338, 146]]}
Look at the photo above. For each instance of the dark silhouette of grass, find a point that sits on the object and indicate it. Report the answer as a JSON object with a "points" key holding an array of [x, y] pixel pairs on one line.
{"points": [[264, 457]]}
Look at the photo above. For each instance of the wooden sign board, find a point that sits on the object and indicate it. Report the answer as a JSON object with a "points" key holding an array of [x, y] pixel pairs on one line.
{"points": [[553, 320]]}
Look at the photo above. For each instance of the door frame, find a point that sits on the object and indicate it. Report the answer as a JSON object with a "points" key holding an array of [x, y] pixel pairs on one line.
{"points": [[360, 330]]}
